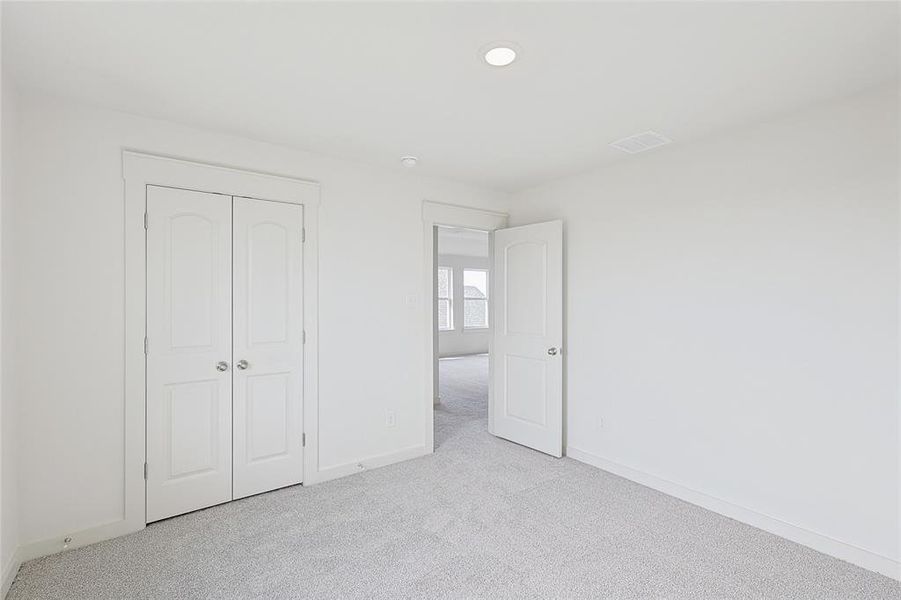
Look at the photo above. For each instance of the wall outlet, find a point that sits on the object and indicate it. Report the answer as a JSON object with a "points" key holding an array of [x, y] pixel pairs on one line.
{"points": [[411, 300], [390, 418]]}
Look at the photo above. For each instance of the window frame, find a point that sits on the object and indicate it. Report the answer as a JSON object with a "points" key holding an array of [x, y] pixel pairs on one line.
{"points": [[487, 299], [449, 298]]}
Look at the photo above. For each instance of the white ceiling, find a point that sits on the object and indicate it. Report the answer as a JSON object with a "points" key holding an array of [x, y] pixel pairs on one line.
{"points": [[374, 81], [462, 242]]}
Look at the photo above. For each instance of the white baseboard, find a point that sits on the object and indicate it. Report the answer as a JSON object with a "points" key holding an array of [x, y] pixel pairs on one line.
{"points": [[371, 462], [84, 537], [822, 543], [113, 529], [464, 355], [9, 572]]}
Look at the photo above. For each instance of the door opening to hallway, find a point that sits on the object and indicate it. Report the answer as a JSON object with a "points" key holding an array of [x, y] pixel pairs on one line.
{"points": [[497, 291], [464, 330]]}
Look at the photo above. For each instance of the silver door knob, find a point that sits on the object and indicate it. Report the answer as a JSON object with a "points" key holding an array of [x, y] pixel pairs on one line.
{"points": [[552, 351], [222, 366], [242, 364]]}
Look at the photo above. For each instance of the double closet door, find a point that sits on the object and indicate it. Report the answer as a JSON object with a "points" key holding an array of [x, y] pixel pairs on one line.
{"points": [[224, 348]]}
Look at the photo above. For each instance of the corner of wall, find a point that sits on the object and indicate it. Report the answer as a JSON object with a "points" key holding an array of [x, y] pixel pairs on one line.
{"points": [[10, 559], [10, 570]]}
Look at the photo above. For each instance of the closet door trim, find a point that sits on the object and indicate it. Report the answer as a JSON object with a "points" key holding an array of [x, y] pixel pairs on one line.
{"points": [[140, 170]]}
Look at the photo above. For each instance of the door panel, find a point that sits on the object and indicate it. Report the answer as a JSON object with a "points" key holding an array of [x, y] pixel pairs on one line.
{"points": [[526, 277], [268, 321], [527, 399], [268, 416], [189, 331], [193, 421], [525, 377]]}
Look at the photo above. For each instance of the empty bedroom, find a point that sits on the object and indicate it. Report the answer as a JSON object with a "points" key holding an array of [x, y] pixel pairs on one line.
{"points": [[405, 300]]}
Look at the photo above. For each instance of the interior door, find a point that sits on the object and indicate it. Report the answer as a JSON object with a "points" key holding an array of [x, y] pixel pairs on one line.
{"points": [[189, 347], [268, 345], [527, 399]]}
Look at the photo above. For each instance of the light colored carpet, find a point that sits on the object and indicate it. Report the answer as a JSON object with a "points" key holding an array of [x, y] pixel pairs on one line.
{"points": [[481, 518]]}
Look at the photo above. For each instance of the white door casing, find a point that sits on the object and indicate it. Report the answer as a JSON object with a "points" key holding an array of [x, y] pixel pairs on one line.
{"points": [[268, 345], [449, 215], [140, 171], [189, 404], [527, 398]]}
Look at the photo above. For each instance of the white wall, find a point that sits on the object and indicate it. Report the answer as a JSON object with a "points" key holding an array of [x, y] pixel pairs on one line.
{"points": [[459, 341], [9, 525], [67, 294], [731, 310], [732, 317]]}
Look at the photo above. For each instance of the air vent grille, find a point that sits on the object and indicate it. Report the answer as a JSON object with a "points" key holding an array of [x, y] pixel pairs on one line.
{"points": [[641, 142]]}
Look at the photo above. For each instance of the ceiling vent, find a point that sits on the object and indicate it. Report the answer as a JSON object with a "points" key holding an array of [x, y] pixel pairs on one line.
{"points": [[641, 142]]}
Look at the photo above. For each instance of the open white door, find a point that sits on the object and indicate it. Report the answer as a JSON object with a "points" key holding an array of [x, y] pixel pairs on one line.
{"points": [[527, 399]]}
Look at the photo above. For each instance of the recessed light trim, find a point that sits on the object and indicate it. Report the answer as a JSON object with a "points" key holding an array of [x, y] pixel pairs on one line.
{"points": [[409, 161], [500, 54]]}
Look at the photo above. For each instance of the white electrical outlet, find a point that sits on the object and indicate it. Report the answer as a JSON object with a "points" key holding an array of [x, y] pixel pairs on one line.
{"points": [[390, 418]]}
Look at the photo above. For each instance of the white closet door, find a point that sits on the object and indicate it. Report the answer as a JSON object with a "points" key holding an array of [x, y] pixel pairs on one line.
{"points": [[268, 345], [527, 401], [189, 404]]}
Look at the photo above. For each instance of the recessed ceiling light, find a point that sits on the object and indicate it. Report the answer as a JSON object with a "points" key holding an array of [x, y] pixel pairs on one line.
{"points": [[500, 55], [408, 161]]}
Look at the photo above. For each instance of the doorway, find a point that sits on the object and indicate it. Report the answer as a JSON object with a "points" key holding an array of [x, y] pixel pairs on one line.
{"points": [[463, 309], [524, 321]]}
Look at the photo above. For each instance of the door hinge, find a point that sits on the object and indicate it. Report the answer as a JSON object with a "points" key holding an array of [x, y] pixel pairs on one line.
{"points": [[146, 344], [303, 337], [303, 235], [145, 471], [146, 226], [303, 440]]}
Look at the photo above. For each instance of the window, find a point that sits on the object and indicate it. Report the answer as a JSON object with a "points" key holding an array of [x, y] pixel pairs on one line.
{"points": [[445, 299], [475, 299]]}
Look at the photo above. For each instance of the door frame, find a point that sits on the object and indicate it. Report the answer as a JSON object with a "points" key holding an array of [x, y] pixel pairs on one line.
{"points": [[450, 215], [139, 170]]}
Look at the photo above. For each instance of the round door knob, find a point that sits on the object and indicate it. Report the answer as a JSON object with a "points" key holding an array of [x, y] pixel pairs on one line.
{"points": [[222, 366], [552, 351], [242, 364]]}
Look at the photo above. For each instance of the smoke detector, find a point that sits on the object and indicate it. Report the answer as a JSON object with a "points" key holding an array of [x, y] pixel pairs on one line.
{"points": [[408, 161], [641, 142]]}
